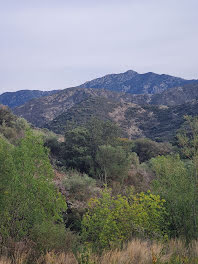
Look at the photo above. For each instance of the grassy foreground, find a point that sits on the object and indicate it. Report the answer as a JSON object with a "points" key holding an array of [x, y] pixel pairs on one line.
{"points": [[135, 252]]}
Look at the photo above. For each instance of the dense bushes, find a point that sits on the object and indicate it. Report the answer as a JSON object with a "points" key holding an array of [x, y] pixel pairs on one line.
{"points": [[147, 149], [28, 198], [80, 186], [114, 220]]}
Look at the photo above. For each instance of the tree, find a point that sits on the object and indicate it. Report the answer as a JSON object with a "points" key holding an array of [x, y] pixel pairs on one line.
{"points": [[6, 116], [82, 143], [28, 198], [147, 149], [174, 183], [77, 153], [114, 163], [188, 141]]}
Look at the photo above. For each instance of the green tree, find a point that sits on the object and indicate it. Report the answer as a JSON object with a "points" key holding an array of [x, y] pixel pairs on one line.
{"points": [[76, 153], [28, 198], [82, 143], [147, 149], [6, 116], [174, 183], [114, 163], [188, 141]]}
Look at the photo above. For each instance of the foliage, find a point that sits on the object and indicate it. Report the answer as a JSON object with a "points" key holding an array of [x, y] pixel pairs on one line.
{"points": [[147, 149], [6, 116], [11, 127], [28, 197], [113, 162], [79, 185], [114, 220], [174, 183], [188, 140], [54, 146], [82, 144], [77, 149]]}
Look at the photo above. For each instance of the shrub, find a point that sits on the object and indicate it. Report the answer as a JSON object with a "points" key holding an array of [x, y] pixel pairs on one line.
{"points": [[147, 149], [80, 186], [114, 220], [28, 197]]}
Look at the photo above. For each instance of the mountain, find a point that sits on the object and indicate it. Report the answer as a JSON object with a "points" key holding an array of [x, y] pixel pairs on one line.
{"points": [[14, 99], [176, 96], [43, 110], [159, 123], [135, 83], [143, 105], [129, 82], [135, 114]]}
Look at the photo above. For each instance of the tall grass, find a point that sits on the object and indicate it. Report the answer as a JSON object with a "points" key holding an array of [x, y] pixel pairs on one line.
{"points": [[135, 252]]}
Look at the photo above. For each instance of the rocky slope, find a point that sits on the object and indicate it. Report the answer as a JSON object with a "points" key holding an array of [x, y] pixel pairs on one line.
{"points": [[43, 110], [132, 113], [176, 96], [151, 114], [14, 99], [159, 123], [129, 82], [135, 83]]}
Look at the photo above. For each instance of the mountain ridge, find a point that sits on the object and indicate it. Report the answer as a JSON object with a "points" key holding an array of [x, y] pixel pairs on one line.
{"points": [[14, 99], [135, 83]]}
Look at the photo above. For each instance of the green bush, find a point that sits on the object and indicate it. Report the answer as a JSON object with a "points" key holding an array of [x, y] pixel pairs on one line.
{"points": [[114, 220], [28, 198], [174, 182], [80, 186], [51, 237], [147, 149]]}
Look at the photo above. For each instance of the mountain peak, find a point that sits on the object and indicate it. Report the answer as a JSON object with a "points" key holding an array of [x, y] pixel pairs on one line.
{"points": [[135, 83]]}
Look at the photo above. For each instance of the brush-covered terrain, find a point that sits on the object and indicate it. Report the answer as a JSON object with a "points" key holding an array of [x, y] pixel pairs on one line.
{"points": [[101, 173], [157, 116], [91, 195]]}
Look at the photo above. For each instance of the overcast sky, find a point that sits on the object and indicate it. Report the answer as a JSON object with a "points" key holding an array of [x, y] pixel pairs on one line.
{"points": [[54, 44]]}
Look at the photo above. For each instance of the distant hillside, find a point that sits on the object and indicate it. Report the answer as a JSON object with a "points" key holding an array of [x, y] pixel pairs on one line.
{"points": [[159, 123], [43, 110], [132, 113], [149, 105], [129, 82], [135, 83], [14, 99], [176, 96]]}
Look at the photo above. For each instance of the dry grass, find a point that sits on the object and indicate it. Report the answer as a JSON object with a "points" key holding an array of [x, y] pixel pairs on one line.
{"points": [[135, 252], [62, 258]]}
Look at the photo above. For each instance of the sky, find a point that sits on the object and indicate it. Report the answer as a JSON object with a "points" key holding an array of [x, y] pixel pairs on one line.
{"points": [[55, 44]]}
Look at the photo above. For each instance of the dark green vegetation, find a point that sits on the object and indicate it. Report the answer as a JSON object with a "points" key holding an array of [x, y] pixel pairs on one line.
{"points": [[156, 116], [94, 190], [100, 184], [158, 123]]}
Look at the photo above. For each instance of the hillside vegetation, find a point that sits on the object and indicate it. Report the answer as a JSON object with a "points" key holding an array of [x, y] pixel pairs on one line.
{"points": [[14, 99], [95, 196], [95, 176], [156, 116]]}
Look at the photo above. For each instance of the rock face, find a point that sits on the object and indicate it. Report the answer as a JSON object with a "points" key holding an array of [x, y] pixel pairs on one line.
{"points": [[135, 83], [14, 99]]}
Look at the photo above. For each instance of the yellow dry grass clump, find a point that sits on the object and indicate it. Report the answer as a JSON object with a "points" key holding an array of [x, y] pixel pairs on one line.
{"points": [[135, 252]]}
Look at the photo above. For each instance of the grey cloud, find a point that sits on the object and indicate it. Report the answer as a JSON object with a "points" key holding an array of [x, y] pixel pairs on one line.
{"points": [[56, 44]]}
